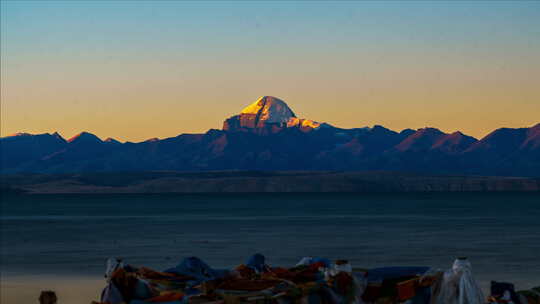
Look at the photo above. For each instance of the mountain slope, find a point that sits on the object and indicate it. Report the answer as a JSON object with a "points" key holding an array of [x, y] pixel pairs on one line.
{"points": [[267, 115], [267, 135], [22, 148]]}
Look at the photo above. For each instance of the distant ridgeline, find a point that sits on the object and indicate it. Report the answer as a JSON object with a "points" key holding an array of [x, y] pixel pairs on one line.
{"points": [[267, 135]]}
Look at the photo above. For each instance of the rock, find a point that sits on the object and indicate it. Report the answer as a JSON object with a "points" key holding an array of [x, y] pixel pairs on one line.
{"points": [[48, 297]]}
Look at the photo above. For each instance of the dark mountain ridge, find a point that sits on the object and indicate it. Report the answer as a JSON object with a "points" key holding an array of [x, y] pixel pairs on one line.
{"points": [[267, 135]]}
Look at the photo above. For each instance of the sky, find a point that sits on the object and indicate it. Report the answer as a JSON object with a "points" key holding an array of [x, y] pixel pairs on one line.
{"points": [[138, 70]]}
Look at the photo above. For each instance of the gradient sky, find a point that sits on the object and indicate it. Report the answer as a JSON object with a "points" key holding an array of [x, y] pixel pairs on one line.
{"points": [[136, 70]]}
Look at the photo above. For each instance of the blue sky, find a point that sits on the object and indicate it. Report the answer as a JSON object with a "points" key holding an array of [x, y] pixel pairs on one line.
{"points": [[72, 65]]}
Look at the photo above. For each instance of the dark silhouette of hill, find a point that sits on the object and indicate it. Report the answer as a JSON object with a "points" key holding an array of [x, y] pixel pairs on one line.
{"points": [[267, 136]]}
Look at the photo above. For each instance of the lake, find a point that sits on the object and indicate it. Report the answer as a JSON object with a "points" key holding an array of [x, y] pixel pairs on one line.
{"points": [[61, 242]]}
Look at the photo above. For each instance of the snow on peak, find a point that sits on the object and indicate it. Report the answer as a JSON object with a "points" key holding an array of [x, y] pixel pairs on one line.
{"points": [[302, 123], [270, 109], [269, 114]]}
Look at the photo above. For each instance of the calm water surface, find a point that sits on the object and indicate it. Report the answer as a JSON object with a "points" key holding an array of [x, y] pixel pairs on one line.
{"points": [[73, 235]]}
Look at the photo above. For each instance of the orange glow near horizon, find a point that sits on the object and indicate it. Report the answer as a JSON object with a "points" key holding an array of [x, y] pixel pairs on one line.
{"points": [[148, 71]]}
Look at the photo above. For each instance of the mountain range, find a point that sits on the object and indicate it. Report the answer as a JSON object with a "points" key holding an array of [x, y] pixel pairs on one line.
{"points": [[267, 135]]}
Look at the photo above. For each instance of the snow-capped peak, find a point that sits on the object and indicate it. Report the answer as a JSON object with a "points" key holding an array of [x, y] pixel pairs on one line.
{"points": [[269, 110], [268, 114]]}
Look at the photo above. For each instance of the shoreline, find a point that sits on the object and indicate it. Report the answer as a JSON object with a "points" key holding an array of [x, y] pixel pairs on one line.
{"points": [[83, 289], [22, 289], [260, 182]]}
